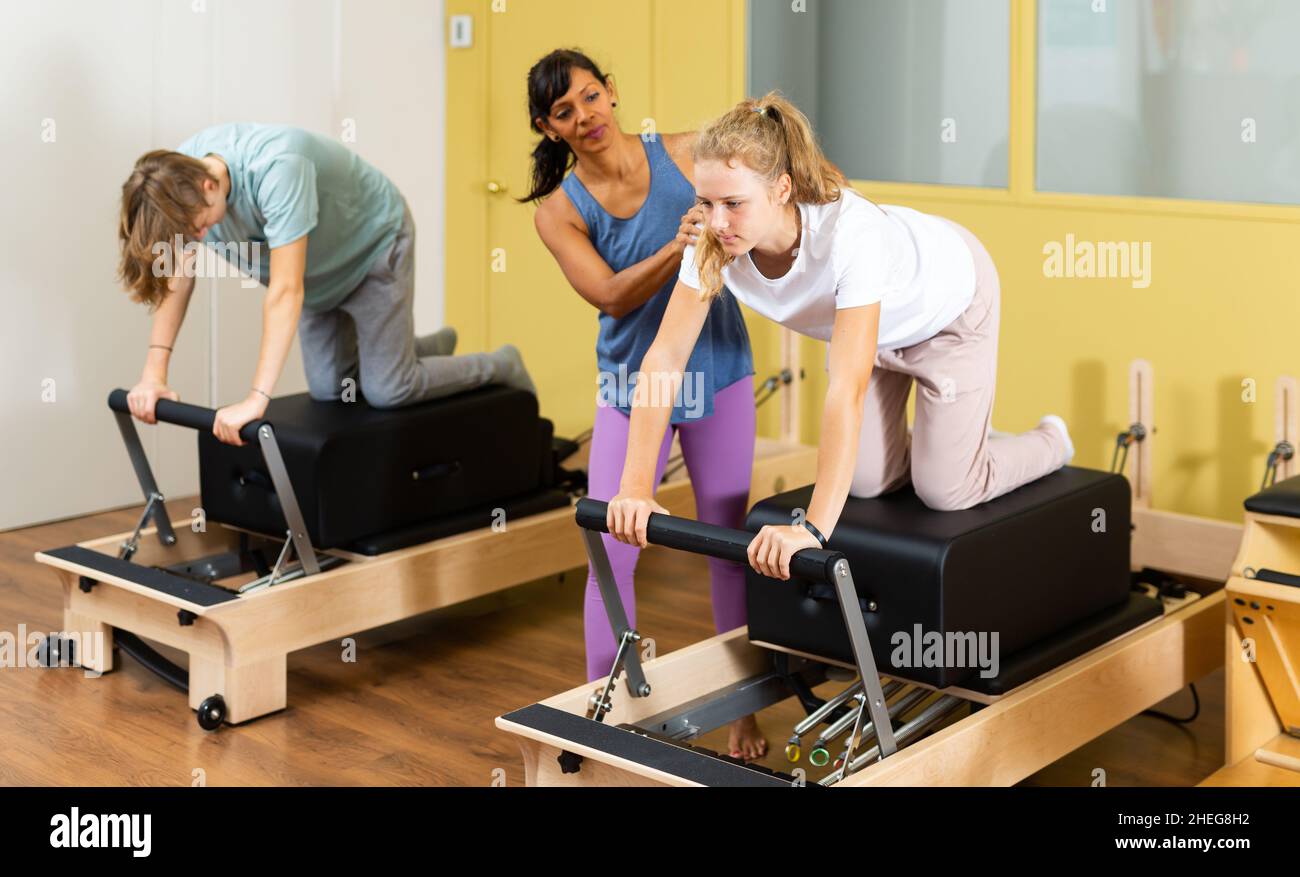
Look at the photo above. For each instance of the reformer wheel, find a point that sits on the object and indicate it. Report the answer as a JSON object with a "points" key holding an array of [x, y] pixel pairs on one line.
{"points": [[56, 651], [212, 713]]}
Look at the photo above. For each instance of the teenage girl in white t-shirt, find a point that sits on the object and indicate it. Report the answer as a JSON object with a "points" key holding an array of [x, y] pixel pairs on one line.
{"points": [[900, 295]]}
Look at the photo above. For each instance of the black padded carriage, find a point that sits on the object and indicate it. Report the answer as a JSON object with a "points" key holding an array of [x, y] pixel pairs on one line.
{"points": [[1282, 498], [373, 480], [1045, 566]]}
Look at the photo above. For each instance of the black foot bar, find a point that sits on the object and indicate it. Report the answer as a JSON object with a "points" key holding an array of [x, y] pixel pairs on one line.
{"points": [[817, 565], [198, 418]]}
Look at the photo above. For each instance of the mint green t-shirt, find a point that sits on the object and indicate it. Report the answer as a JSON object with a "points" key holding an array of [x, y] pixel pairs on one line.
{"points": [[285, 183]]}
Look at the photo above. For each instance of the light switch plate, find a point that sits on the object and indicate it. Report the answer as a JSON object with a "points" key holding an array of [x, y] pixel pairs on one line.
{"points": [[462, 31]]}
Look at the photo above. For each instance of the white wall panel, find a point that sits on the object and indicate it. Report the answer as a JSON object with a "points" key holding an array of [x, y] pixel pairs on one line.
{"points": [[118, 79]]}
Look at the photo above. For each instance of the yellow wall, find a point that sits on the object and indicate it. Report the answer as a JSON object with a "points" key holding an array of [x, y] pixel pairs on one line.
{"points": [[1222, 306]]}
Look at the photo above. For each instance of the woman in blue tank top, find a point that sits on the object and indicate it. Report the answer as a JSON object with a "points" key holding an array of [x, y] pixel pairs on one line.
{"points": [[617, 228]]}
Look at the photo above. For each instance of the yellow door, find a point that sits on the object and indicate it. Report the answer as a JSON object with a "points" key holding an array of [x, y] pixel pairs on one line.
{"points": [[676, 64], [529, 303]]}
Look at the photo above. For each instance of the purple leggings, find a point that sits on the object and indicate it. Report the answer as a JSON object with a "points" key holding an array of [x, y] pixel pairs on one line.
{"points": [[719, 455]]}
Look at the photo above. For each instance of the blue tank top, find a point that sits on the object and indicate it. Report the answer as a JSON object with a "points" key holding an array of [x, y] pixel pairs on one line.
{"points": [[721, 356]]}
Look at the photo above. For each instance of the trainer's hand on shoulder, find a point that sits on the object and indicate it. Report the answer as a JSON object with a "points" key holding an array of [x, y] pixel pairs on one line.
{"points": [[688, 233], [628, 515], [144, 396]]}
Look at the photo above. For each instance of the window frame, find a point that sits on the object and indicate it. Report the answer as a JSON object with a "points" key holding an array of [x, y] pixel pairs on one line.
{"points": [[1022, 153]]}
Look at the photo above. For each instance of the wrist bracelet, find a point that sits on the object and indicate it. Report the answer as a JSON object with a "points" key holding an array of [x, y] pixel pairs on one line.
{"points": [[808, 525], [160, 347], [268, 397]]}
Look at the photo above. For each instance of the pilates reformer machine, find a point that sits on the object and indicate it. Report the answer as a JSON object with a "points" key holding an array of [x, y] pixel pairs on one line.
{"points": [[333, 519], [1075, 574], [1262, 645]]}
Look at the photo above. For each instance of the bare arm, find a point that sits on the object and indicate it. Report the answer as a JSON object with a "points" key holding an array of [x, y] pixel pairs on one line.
{"points": [[614, 293], [663, 364], [167, 320], [280, 312], [852, 356]]}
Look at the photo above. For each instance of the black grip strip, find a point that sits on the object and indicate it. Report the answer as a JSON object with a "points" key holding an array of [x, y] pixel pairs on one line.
{"points": [[159, 580], [674, 760], [1278, 578]]}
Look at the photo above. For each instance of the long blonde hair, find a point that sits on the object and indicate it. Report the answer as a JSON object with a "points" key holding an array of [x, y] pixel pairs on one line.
{"points": [[770, 136]]}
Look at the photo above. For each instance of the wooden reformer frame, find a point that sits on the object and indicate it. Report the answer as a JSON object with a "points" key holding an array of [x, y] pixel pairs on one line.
{"points": [[237, 644], [1002, 739]]}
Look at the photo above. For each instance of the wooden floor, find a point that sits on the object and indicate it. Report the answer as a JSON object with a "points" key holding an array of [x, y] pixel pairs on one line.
{"points": [[416, 707]]}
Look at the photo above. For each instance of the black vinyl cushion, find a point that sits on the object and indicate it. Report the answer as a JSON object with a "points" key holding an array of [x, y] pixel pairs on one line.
{"points": [[506, 510], [1282, 498], [354, 467], [1027, 565]]}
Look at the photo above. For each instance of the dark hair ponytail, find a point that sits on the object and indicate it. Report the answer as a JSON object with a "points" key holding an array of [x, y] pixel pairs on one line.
{"points": [[548, 81]]}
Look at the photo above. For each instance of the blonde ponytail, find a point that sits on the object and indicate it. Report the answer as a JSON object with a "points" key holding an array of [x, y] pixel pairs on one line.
{"points": [[770, 136]]}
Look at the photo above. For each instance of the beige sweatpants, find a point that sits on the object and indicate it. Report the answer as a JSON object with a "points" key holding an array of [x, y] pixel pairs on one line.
{"points": [[952, 462]]}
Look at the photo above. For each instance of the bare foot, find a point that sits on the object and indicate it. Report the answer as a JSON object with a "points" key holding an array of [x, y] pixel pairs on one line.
{"points": [[746, 740]]}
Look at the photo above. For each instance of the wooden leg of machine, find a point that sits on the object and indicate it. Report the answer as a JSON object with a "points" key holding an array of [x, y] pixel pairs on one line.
{"points": [[94, 637], [250, 689], [1250, 721], [1261, 647]]}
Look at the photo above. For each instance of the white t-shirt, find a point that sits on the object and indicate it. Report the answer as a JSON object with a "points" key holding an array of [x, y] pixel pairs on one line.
{"points": [[854, 253]]}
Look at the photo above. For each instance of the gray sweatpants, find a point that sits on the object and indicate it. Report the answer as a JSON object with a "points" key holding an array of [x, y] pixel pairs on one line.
{"points": [[370, 338]]}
